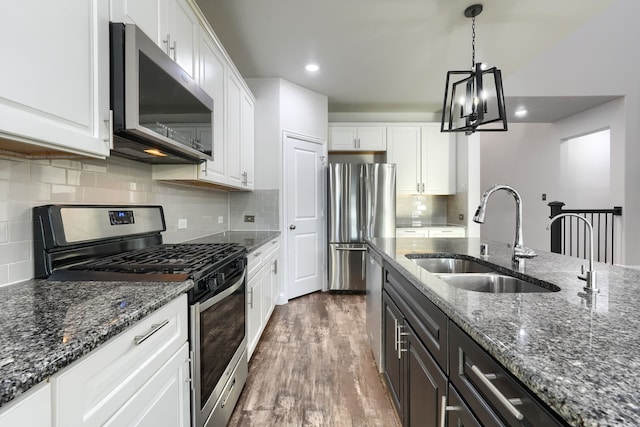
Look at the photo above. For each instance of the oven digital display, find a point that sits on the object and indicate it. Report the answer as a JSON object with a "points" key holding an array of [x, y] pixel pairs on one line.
{"points": [[121, 217]]}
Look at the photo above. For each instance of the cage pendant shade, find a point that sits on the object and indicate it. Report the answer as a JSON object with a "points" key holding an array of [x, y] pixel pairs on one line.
{"points": [[474, 99]]}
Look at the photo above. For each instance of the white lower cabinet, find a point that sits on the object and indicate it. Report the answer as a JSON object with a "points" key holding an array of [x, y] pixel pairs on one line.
{"points": [[140, 377], [262, 290], [431, 232], [31, 409]]}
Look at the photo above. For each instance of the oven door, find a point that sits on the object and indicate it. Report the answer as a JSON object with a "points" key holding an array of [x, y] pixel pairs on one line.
{"points": [[218, 344]]}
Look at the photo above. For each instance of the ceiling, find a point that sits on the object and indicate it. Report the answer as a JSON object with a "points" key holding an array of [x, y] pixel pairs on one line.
{"points": [[393, 55]]}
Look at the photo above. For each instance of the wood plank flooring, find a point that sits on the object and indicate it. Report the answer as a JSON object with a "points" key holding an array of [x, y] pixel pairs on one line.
{"points": [[314, 367]]}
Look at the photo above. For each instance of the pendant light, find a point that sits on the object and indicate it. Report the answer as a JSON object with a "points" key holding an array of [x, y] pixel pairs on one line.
{"points": [[474, 100]]}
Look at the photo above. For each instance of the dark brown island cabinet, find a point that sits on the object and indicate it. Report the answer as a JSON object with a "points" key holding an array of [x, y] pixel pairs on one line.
{"points": [[438, 376]]}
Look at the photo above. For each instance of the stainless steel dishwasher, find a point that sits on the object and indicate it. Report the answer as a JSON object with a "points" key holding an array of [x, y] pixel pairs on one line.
{"points": [[374, 305]]}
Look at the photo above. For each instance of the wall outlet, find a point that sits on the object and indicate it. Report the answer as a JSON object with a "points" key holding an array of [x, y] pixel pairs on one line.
{"points": [[220, 219], [249, 218], [461, 217], [182, 223]]}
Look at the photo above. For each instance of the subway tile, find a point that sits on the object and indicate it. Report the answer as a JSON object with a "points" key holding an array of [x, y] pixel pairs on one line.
{"points": [[48, 174], [29, 191], [15, 252], [4, 275], [4, 190], [20, 271], [64, 193], [66, 163], [19, 211], [20, 231], [4, 232], [81, 178], [15, 170], [94, 166], [4, 210]]}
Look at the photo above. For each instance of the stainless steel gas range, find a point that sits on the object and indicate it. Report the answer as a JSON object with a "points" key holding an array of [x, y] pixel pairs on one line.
{"points": [[124, 243]]}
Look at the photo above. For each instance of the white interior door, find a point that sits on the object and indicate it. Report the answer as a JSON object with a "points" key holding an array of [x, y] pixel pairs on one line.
{"points": [[305, 221]]}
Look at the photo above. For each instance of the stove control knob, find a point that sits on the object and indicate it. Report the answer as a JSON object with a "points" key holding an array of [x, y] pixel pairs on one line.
{"points": [[209, 284], [220, 278]]}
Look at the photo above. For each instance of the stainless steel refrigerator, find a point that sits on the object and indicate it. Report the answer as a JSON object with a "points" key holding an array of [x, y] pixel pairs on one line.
{"points": [[362, 203]]}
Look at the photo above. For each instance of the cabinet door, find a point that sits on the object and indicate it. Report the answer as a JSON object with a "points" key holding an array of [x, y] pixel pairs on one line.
{"points": [[183, 28], [212, 79], [447, 232], [54, 90], [458, 413], [149, 15], [438, 161], [266, 294], [163, 400], [426, 384], [31, 409], [372, 138], [403, 149], [254, 312], [391, 319], [342, 138], [412, 232], [247, 140], [233, 144]]}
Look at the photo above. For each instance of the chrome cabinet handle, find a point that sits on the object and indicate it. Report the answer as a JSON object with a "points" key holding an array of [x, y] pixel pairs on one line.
{"points": [[190, 360], [400, 335], [109, 123], [507, 403], [444, 408], [167, 41], [139, 339], [275, 267], [417, 187], [352, 249], [423, 187], [395, 336], [251, 299]]}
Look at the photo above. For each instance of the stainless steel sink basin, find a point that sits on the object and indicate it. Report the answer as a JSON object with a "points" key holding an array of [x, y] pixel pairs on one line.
{"points": [[492, 283], [450, 265]]}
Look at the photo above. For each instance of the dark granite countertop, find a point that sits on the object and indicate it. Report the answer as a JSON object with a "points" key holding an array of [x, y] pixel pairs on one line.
{"points": [[47, 325], [579, 355], [248, 238]]}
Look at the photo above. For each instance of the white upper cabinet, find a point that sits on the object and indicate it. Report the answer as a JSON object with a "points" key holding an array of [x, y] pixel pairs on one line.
{"points": [[149, 15], [182, 36], [357, 138], [426, 159], [54, 90], [212, 80], [247, 139], [172, 24]]}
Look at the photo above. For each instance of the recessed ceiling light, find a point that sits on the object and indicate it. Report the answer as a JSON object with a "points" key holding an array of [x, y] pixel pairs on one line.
{"points": [[312, 67], [520, 112]]}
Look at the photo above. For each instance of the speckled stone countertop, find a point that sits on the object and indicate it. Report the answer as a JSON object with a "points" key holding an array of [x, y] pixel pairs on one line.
{"points": [[579, 355], [47, 325], [250, 239]]}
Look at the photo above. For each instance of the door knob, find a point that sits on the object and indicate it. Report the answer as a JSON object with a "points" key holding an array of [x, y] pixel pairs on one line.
{"points": [[292, 227]]}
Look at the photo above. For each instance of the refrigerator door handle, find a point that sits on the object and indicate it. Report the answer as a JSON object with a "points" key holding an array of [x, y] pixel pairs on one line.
{"points": [[352, 249]]}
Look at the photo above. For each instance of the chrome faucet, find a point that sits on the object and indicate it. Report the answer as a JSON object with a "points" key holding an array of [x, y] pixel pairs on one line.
{"points": [[519, 250], [590, 275]]}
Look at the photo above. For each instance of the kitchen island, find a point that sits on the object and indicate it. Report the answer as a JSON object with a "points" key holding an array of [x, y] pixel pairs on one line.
{"points": [[578, 354]]}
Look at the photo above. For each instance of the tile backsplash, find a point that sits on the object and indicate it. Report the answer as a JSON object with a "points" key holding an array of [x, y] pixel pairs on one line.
{"points": [[28, 183], [420, 210], [261, 204]]}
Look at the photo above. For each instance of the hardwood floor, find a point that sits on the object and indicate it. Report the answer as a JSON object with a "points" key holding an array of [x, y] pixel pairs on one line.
{"points": [[314, 367]]}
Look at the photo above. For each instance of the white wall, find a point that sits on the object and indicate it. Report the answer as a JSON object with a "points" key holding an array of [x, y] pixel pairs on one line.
{"points": [[28, 183]]}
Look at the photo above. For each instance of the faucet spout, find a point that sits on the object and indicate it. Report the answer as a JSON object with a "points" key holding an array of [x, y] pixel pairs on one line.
{"points": [[519, 250], [590, 275]]}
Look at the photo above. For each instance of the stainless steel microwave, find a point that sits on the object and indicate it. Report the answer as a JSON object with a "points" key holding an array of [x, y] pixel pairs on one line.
{"points": [[160, 114]]}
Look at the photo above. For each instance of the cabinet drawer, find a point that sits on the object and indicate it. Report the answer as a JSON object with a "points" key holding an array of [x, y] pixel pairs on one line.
{"points": [[428, 321], [489, 390], [254, 262], [270, 249], [447, 232], [89, 391]]}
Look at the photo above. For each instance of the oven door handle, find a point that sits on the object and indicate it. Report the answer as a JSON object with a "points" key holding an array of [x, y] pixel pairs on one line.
{"points": [[222, 295]]}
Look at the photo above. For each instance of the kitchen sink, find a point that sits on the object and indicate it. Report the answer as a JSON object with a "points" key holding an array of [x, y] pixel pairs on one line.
{"points": [[450, 265], [493, 283]]}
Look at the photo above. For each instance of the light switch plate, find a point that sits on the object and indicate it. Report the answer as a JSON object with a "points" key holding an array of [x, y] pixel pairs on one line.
{"points": [[220, 219], [249, 218]]}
